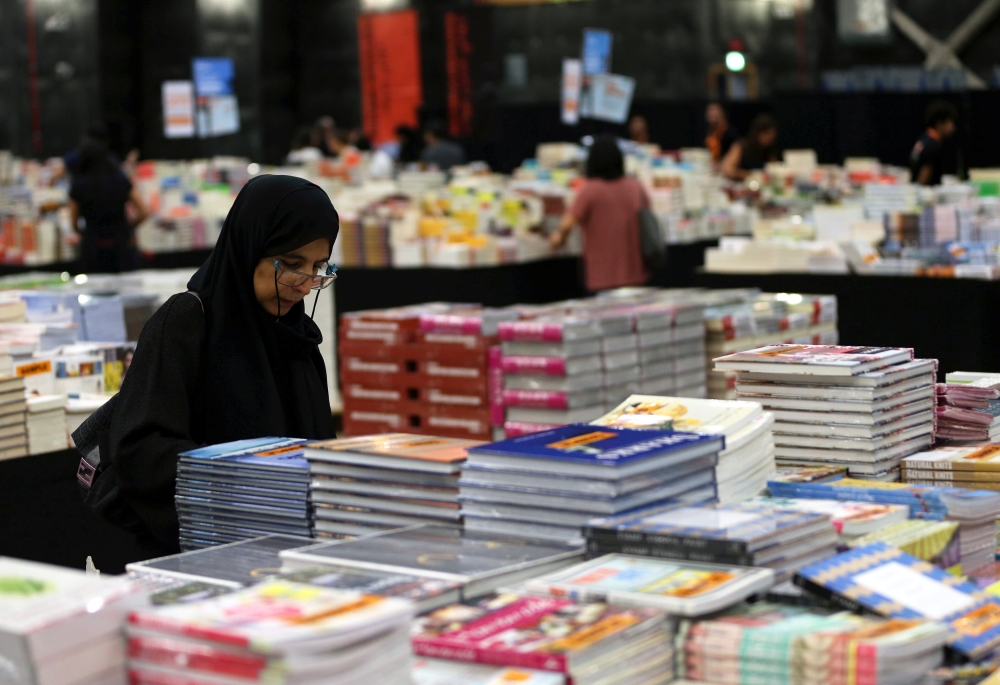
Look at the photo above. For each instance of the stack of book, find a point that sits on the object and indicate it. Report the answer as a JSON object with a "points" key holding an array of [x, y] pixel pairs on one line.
{"points": [[851, 520], [46, 424], [278, 629], [476, 564], [549, 484], [975, 466], [936, 542], [746, 463], [680, 588], [588, 642], [883, 580], [241, 490], [441, 672], [671, 343], [555, 341], [975, 379], [62, 627], [965, 412], [861, 407], [372, 483], [13, 418], [779, 539], [975, 511], [768, 643]]}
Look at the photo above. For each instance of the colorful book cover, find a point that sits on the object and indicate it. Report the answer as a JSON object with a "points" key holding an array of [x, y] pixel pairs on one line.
{"points": [[983, 456], [256, 447], [402, 445], [848, 518], [711, 417], [838, 359], [530, 632], [886, 581], [592, 445]]}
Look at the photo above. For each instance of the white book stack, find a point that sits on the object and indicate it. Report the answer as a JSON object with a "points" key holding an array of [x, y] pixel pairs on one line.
{"points": [[13, 410], [46, 424], [746, 463], [62, 627], [80, 407], [865, 408]]}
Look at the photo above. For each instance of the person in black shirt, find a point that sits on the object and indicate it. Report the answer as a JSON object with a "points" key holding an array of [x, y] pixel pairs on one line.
{"points": [[925, 159], [101, 195], [236, 357], [753, 152], [721, 135], [439, 151]]}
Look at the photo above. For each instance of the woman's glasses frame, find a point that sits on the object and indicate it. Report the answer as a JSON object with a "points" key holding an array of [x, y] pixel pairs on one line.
{"points": [[295, 279]]}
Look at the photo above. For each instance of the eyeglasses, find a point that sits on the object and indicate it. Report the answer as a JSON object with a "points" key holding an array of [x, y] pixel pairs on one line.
{"points": [[321, 278]]}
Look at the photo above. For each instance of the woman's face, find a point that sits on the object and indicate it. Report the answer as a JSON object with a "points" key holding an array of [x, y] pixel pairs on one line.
{"points": [[306, 259]]}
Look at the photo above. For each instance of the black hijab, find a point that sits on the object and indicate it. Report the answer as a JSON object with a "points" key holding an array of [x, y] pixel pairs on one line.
{"points": [[261, 376]]}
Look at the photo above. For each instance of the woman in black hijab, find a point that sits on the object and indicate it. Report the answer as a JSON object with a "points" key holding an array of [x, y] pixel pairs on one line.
{"points": [[236, 357]]}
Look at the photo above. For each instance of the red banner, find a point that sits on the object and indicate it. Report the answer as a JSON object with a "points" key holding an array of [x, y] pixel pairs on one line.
{"points": [[391, 85], [458, 50]]}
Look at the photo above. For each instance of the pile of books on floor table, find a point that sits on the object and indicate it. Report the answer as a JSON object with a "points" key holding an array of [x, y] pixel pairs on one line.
{"points": [[778, 644], [241, 490], [965, 412], [883, 580], [548, 485], [865, 408], [278, 629], [746, 463], [373, 483], [975, 511], [783, 540], [60, 626]]}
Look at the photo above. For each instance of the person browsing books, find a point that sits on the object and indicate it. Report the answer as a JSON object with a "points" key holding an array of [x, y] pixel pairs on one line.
{"points": [[234, 358], [607, 210], [753, 152]]}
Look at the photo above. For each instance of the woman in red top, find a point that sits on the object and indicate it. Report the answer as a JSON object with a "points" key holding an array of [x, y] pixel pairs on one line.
{"points": [[607, 210]]}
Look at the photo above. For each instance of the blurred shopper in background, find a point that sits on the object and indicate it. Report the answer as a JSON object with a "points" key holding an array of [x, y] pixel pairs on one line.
{"points": [[410, 145], [607, 210], [721, 135], [304, 149], [925, 159], [111, 208], [325, 130], [753, 152], [439, 150], [638, 130], [71, 161]]}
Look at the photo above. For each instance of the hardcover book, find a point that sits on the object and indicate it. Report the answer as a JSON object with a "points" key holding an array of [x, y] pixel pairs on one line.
{"points": [[819, 360]]}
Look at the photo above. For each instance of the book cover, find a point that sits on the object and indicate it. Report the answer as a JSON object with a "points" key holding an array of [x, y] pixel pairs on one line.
{"points": [[530, 632], [835, 360], [712, 417], [594, 446], [732, 529], [883, 580], [443, 672], [678, 587], [397, 445], [261, 447], [977, 457], [848, 518]]}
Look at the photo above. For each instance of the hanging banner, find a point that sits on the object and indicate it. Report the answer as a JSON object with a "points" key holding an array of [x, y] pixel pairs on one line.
{"points": [[596, 51], [391, 85], [611, 97], [572, 83], [178, 109], [458, 53]]}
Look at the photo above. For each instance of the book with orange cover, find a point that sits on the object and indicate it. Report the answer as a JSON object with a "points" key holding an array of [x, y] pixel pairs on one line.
{"points": [[395, 450]]}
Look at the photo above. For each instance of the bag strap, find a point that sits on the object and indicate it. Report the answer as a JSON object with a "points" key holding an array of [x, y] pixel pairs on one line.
{"points": [[197, 297]]}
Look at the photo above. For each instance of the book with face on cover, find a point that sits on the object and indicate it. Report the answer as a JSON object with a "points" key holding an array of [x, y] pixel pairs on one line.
{"points": [[711, 417], [883, 580], [546, 633], [401, 451], [815, 360], [682, 588]]}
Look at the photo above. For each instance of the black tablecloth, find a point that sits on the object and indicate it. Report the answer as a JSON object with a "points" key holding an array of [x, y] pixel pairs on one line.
{"points": [[43, 518], [956, 321]]}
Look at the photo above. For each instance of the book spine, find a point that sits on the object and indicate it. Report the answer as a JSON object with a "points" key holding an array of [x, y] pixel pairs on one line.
{"points": [[495, 379], [824, 593], [599, 546]]}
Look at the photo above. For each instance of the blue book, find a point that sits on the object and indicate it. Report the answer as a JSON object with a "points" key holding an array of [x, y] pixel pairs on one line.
{"points": [[885, 581], [595, 451], [283, 453]]}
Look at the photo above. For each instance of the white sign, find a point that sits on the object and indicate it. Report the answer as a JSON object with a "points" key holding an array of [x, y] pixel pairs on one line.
{"points": [[218, 115], [178, 109], [572, 83], [611, 97]]}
